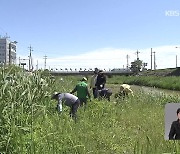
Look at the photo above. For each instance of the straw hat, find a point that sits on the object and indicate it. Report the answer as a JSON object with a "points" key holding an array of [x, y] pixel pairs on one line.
{"points": [[124, 86]]}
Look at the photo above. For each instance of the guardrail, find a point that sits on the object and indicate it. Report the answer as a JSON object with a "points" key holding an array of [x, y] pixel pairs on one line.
{"points": [[56, 73]]}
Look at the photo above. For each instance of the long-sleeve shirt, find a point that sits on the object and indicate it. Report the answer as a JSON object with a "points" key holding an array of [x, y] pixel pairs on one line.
{"points": [[82, 90], [67, 98], [93, 81], [100, 82], [174, 133]]}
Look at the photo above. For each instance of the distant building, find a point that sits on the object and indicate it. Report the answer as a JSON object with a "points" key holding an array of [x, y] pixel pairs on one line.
{"points": [[7, 51]]}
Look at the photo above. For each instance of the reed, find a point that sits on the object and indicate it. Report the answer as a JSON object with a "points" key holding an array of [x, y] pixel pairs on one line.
{"points": [[30, 124]]}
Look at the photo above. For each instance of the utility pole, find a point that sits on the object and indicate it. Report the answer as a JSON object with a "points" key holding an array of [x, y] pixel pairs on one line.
{"points": [[137, 52], [45, 58], [30, 58], [176, 57], [151, 58], [127, 61], [37, 65], [19, 61], [154, 61]]}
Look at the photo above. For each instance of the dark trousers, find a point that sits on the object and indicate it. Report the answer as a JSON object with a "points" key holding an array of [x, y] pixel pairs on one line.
{"points": [[95, 92], [83, 101], [74, 108], [99, 87]]}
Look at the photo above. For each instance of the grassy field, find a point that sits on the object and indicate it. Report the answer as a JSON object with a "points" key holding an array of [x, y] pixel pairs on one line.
{"points": [[169, 82], [30, 124]]}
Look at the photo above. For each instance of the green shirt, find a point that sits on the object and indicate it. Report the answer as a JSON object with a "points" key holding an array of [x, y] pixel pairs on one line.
{"points": [[82, 90]]}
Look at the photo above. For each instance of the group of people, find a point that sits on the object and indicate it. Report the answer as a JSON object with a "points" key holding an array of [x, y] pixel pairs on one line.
{"points": [[97, 84]]}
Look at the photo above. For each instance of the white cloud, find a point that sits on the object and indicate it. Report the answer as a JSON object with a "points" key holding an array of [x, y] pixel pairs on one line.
{"points": [[106, 58]]}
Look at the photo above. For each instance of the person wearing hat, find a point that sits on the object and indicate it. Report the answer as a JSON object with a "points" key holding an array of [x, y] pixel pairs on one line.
{"points": [[101, 80], [125, 90], [174, 133], [82, 91], [69, 100]]}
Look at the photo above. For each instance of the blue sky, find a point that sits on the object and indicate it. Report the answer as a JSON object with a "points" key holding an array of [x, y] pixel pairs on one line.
{"points": [[104, 31]]}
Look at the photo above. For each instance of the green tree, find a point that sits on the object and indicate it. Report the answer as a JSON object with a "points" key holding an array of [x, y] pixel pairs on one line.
{"points": [[136, 65]]}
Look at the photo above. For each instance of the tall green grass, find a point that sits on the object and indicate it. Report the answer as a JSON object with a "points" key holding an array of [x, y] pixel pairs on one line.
{"points": [[172, 83], [30, 124]]}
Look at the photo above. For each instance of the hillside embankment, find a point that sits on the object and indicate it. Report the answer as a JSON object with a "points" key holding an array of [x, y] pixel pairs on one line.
{"points": [[162, 72], [165, 79]]}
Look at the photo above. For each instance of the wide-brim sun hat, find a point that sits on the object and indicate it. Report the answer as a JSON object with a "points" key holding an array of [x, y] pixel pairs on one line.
{"points": [[125, 86]]}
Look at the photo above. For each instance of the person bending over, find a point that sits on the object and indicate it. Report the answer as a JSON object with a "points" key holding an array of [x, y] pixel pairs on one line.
{"points": [[105, 93], [69, 100]]}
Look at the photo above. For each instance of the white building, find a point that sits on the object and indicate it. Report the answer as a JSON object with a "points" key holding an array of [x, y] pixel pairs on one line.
{"points": [[7, 51]]}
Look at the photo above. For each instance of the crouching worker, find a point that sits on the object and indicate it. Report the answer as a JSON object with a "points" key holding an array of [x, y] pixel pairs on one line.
{"points": [[105, 93], [125, 90], [69, 100]]}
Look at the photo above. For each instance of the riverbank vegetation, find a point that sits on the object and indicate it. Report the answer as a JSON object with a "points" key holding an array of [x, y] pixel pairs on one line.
{"points": [[168, 82], [30, 124]]}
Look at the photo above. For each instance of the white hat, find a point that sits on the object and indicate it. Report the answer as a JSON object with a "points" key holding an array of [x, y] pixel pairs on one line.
{"points": [[84, 79]]}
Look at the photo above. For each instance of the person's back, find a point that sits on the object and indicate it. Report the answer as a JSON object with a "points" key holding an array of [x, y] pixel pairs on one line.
{"points": [[125, 90], [68, 98], [81, 89], [106, 93]]}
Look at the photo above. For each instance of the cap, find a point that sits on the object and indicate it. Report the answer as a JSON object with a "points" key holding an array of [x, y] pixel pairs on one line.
{"points": [[100, 71], [84, 79]]}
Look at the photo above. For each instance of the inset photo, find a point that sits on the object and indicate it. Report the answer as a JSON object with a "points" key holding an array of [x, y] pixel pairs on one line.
{"points": [[172, 121]]}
